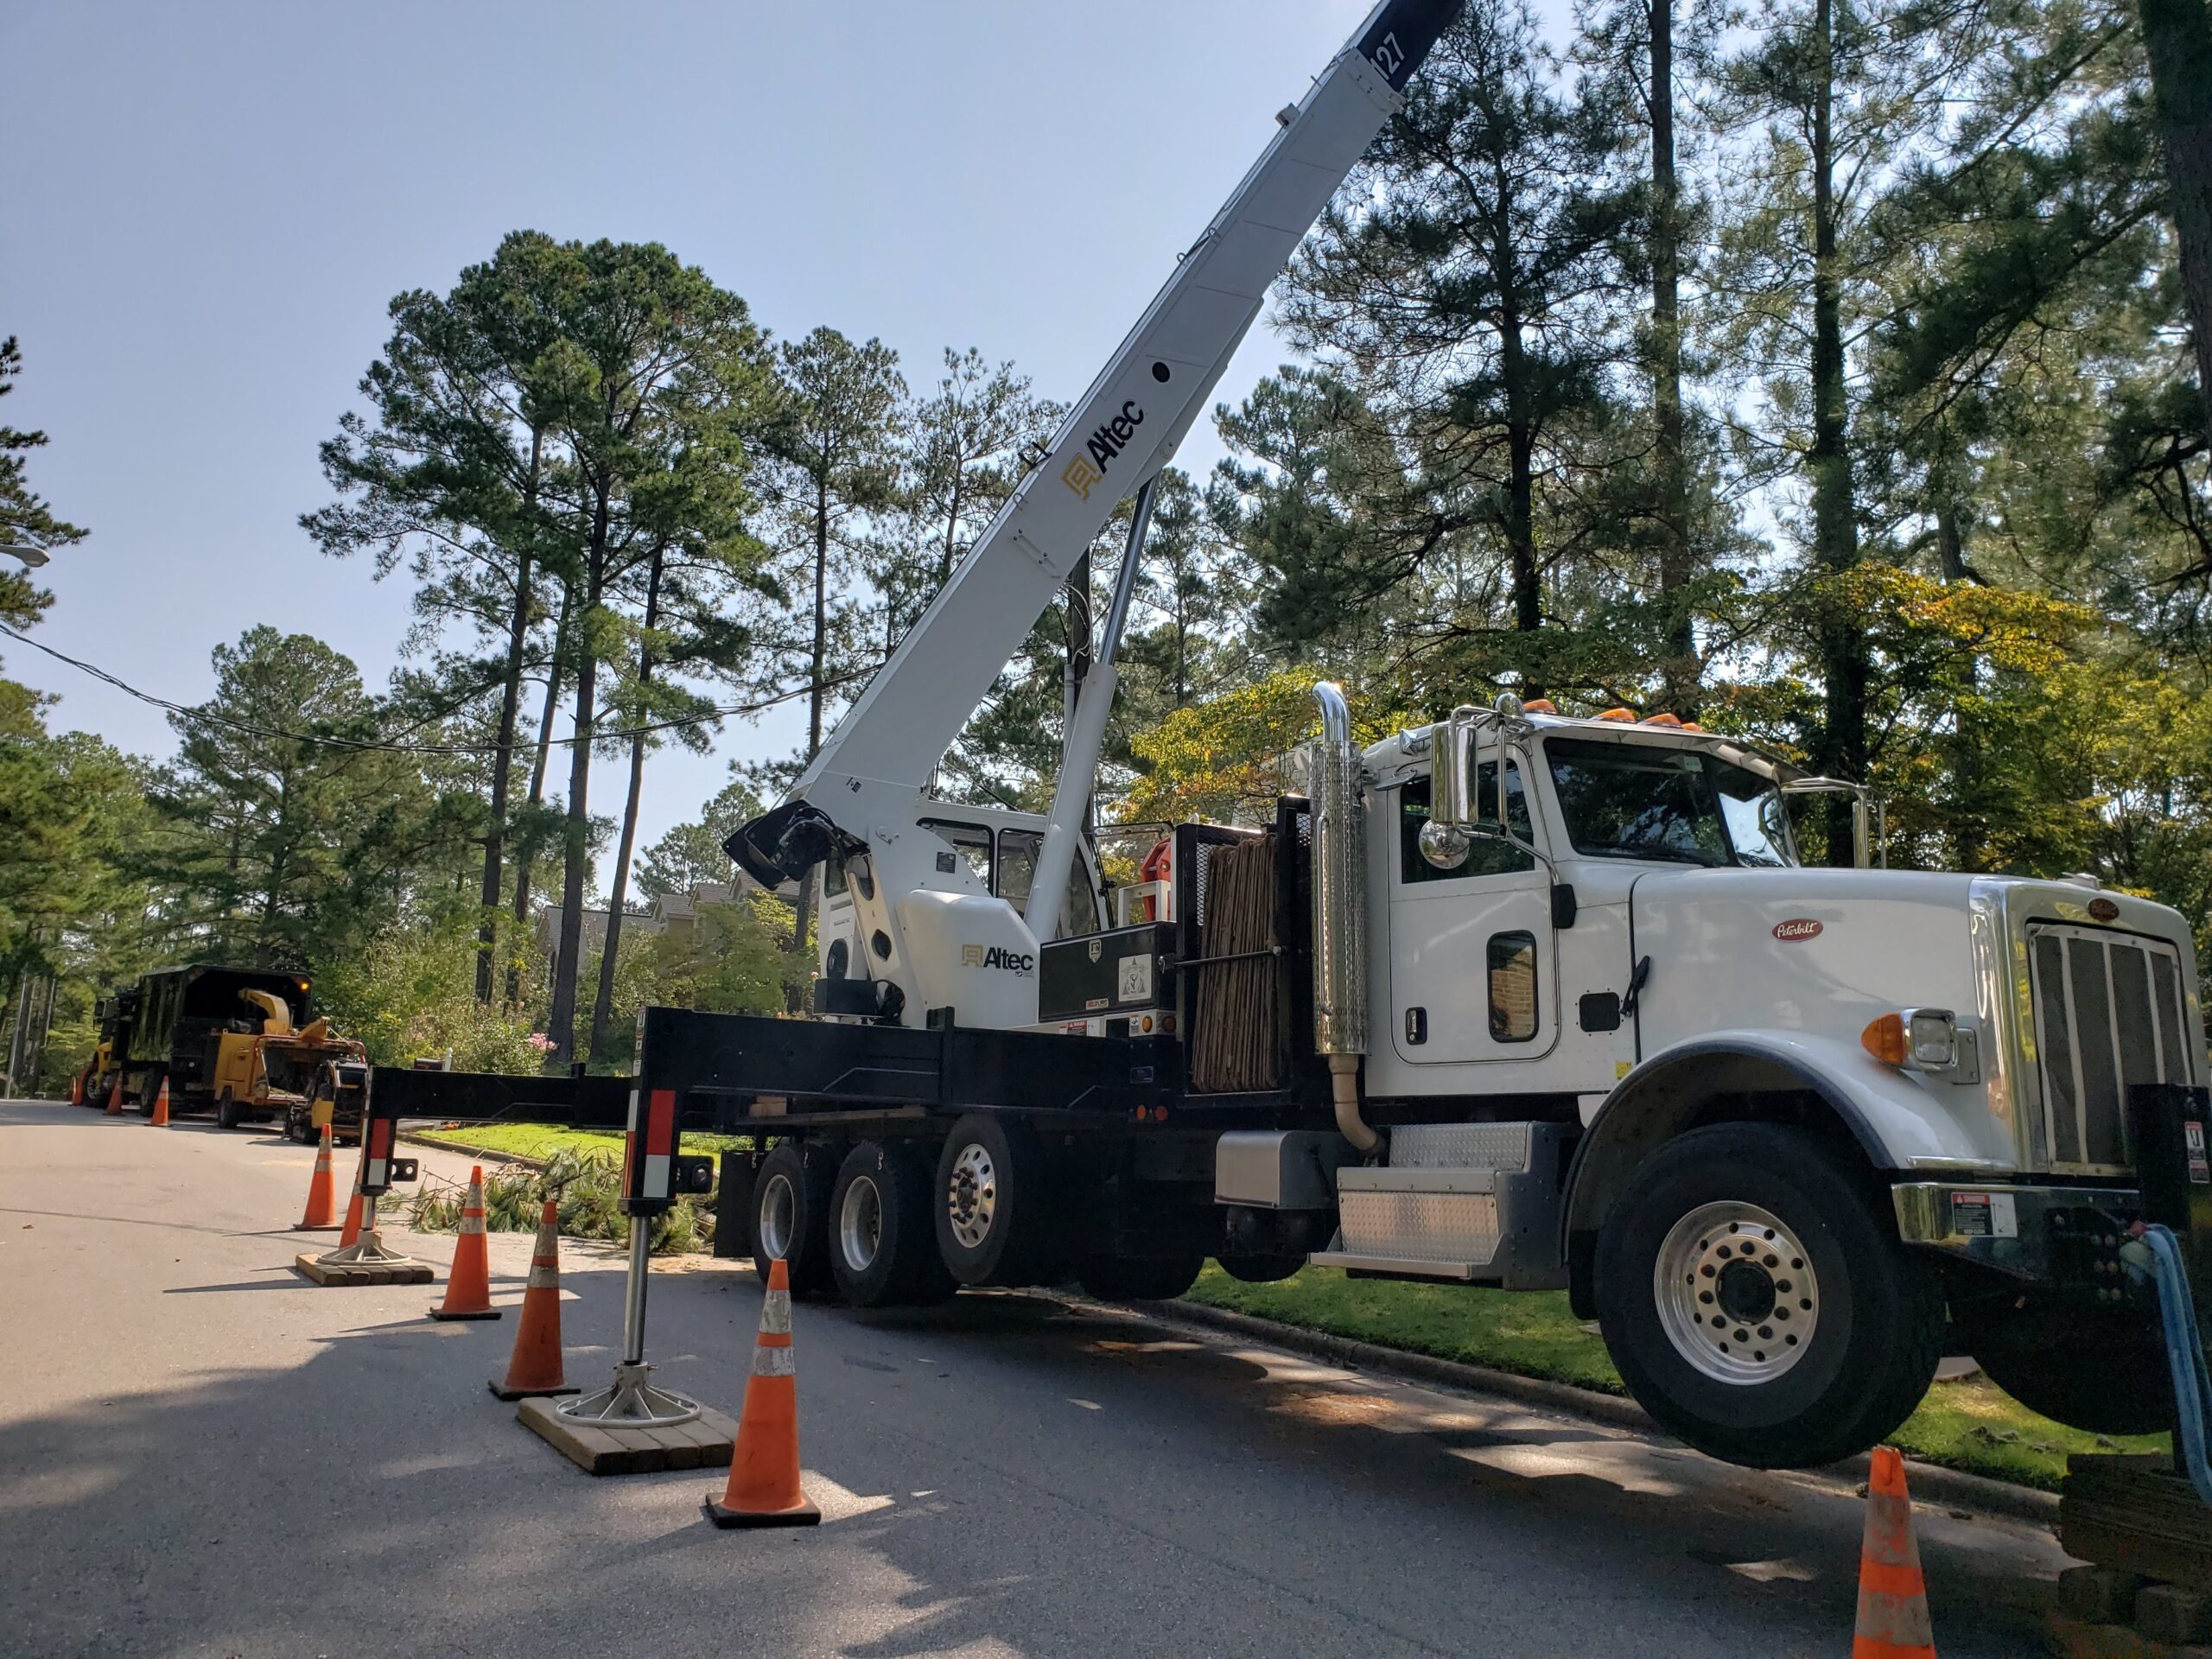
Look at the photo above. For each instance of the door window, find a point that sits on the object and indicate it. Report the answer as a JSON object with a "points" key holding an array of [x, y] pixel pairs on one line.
{"points": [[1018, 850], [971, 841], [1485, 856]]}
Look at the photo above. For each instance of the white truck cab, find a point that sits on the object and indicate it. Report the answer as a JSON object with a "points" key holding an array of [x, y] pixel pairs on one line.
{"points": [[1787, 1132]]}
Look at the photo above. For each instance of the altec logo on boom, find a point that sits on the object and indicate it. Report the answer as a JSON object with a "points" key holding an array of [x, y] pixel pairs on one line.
{"points": [[1106, 442]]}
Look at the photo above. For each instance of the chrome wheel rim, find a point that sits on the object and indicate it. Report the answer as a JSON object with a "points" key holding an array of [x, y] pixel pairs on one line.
{"points": [[1736, 1294], [860, 1223], [972, 1195], [779, 1218]]}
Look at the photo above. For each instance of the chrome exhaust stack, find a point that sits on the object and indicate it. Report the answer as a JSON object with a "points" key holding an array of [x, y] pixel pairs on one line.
{"points": [[1340, 1029]]}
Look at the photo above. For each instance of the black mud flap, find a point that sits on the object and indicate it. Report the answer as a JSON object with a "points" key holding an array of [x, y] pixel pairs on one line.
{"points": [[2169, 1130]]}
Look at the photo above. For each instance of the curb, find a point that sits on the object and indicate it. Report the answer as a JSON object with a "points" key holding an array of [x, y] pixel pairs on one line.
{"points": [[482, 1153], [1932, 1483]]}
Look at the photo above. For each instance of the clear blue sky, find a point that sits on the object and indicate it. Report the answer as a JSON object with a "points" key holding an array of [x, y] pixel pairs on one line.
{"points": [[211, 206]]}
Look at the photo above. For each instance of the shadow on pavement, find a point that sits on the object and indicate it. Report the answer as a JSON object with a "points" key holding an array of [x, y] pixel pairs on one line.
{"points": [[1053, 1482]]}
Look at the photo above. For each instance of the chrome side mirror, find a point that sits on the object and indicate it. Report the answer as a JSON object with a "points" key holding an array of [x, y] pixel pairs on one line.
{"points": [[1869, 825], [1444, 838]]}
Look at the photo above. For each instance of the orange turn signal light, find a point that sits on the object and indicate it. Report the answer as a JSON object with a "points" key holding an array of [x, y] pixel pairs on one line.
{"points": [[1664, 720], [1618, 713], [1884, 1038], [1539, 706]]}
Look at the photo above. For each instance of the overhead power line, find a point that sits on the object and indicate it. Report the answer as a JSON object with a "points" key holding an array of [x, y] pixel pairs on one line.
{"points": [[601, 734]]}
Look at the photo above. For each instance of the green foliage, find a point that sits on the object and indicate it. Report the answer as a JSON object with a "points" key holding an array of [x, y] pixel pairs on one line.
{"points": [[587, 1188], [410, 993], [25, 520], [284, 833], [734, 958]]}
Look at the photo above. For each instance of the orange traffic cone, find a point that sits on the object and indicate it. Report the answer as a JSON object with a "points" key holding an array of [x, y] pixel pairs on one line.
{"points": [[468, 1282], [763, 1489], [350, 1234], [77, 1089], [162, 1106], [114, 1097], [536, 1367], [321, 1206], [1893, 1594]]}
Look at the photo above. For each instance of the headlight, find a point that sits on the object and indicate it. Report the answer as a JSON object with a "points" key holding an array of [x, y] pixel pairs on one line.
{"points": [[1914, 1040]]}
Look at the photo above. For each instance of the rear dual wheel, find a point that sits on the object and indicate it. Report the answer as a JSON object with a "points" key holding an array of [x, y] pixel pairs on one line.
{"points": [[882, 1247], [790, 1210], [1000, 1219]]}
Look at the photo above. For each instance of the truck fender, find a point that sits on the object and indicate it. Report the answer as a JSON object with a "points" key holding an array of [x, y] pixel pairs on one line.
{"points": [[1780, 1077]]}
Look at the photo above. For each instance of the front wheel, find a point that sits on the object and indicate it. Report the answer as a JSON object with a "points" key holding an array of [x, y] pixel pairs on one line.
{"points": [[1756, 1305], [228, 1116]]}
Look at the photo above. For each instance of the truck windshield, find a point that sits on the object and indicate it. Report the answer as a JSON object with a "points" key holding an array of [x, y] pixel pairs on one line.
{"points": [[1625, 800]]}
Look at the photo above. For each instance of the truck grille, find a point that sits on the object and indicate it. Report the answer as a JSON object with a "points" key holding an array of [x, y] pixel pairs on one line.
{"points": [[2108, 1014]]}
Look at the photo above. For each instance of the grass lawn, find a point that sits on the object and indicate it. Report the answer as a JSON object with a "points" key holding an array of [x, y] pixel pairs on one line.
{"points": [[541, 1140], [1971, 1425]]}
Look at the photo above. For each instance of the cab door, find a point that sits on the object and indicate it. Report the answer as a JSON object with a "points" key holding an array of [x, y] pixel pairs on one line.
{"points": [[1472, 973]]}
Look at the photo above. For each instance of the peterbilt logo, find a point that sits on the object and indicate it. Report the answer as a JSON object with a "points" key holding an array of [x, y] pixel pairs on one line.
{"points": [[1107, 440], [1013, 962], [2103, 910], [1797, 928]]}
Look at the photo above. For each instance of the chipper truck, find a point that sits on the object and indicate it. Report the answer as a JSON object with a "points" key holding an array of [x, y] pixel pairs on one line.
{"points": [[183, 1026]]}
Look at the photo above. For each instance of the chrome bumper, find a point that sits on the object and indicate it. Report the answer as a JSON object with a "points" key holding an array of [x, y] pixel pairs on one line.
{"points": [[2044, 1234]]}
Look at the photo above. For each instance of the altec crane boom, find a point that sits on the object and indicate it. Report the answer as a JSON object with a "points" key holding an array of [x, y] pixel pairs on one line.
{"points": [[861, 790], [1514, 999]]}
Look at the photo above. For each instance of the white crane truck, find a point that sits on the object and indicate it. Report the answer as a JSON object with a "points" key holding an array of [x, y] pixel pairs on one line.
{"points": [[1513, 1000]]}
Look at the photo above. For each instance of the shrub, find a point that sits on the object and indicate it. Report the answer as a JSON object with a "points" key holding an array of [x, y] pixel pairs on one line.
{"points": [[587, 1187]]}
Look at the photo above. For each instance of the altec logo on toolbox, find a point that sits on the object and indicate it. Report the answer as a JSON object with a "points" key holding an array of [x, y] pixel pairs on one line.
{"points": [[1107, 442]]}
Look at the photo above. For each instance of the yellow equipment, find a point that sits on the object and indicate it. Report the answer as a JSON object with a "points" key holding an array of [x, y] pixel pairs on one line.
{"points": [[271, 1072]]}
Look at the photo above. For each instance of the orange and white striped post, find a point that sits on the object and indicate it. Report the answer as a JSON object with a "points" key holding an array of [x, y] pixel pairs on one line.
{"points": [[1892, 1592]]}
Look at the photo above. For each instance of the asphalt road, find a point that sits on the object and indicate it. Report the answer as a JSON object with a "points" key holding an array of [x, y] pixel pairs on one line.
{"points": [[202, 1454]]}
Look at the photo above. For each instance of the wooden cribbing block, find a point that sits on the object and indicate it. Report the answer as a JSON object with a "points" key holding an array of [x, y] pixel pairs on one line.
{"points": [[407, 1272], [2137, 1515], [704, 1443]]}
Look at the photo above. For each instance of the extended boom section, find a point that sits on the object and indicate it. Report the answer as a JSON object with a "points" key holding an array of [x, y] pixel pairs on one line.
{"points": [[1120, 433]]}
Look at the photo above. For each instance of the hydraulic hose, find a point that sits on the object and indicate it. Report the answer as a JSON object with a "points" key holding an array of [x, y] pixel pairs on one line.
{"points": [[2154, 1254]]}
